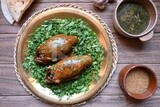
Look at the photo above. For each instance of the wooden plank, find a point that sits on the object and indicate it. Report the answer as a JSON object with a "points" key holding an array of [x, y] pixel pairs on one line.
{"points": [[135, 51], [15, 29], [10, 86], [129, 50], [7, 42], [38, 6], [99, 101], [64, 1], [71, 1], [105, 14]]}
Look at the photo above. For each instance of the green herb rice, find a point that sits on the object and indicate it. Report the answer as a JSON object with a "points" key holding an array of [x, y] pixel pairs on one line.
{"points": [[87, 44]]}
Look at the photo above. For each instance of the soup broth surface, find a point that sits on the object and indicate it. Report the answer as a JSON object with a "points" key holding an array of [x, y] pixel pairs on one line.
{"points": [[133, 17]]}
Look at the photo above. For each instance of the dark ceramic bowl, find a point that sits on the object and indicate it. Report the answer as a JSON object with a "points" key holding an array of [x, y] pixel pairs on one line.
{"points": [[152, 81]]}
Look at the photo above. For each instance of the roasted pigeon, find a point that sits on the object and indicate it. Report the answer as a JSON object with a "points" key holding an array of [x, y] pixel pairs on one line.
{"points": [[55, 48], [67, 69]]}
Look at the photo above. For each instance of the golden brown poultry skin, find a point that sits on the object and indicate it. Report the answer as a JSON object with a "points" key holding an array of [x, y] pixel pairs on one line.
{"points": [[67, 68], [54, 48]]}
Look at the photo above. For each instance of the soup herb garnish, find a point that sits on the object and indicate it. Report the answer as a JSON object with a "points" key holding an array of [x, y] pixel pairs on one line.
{"points": [[133, 17], [87, 44]]}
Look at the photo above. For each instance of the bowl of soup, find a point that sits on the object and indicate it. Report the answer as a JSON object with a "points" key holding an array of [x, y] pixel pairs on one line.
{"points": [[136, 18]]}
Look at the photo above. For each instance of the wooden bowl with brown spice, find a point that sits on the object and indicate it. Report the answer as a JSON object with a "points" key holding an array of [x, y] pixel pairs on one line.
{"points": [[138, 81]]}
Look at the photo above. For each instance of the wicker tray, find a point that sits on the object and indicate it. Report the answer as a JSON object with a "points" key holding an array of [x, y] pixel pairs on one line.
{"points": [[66, 11]]}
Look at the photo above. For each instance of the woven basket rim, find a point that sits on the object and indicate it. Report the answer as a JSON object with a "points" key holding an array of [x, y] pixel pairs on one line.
{"points": [[108, 31]]}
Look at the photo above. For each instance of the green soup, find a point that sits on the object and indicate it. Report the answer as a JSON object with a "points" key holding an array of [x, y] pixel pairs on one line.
{"points": [[133, 17]]}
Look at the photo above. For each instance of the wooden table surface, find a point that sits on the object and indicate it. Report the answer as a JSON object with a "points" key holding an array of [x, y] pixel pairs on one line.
{"points": [[130, 51]]}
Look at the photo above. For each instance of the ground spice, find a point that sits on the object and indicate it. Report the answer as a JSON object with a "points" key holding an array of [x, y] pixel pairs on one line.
{"points": [[137, 81]]}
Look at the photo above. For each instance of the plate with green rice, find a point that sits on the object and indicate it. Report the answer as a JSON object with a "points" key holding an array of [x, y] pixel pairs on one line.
{"points": [[94, 38]]}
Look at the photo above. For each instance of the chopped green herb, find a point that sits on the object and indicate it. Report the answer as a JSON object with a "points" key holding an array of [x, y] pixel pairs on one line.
{"points": [[88, 44]]}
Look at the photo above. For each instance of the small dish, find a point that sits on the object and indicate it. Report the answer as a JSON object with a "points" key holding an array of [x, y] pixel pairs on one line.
{"points": [[145, 34], [138, 74]]}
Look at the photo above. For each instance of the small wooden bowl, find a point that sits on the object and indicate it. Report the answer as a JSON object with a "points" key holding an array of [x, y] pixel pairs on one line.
{"points": [[152, 81]]}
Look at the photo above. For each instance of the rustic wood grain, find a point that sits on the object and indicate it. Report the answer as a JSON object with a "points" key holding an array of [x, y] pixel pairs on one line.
{"points": [[71, 1], [65, 1], [130, 51], [99, 101], [106, 14]]}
